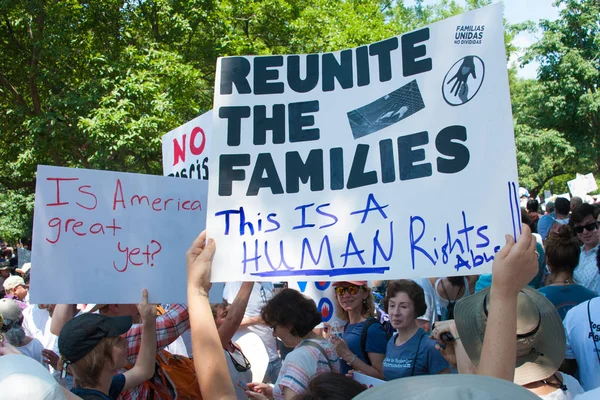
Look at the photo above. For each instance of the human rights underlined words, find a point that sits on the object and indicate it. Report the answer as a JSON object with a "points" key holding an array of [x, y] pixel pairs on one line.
{"points": [[464, 246]]}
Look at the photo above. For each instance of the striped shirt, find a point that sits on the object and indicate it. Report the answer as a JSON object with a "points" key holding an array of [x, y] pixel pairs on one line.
{"points": [[302, 364], [169, 327]]}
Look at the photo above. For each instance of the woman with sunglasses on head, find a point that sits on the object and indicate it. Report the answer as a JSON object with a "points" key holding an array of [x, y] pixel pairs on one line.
{"points": [[227, 319], [409, 352], [562, 257], [363, 343], [292, 317]]}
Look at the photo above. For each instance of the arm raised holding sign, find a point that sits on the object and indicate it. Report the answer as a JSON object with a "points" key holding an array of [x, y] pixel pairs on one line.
{"points": [[211, 367]]}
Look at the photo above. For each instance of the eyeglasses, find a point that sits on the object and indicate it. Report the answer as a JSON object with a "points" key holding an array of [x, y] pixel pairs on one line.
{"points": [[588, 227], [352, 289]]}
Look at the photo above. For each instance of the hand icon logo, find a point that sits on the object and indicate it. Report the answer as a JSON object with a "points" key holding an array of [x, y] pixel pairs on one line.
{"points": [[466, 77]]}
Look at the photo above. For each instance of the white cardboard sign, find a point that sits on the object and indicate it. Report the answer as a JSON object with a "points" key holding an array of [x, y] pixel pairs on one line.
{"points": [[366, 380], [101, 236], [582, 185], [186, 149], [379, 162]]}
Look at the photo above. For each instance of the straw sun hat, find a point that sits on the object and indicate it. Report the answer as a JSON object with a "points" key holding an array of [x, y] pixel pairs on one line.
{"points": [[541, 342]]}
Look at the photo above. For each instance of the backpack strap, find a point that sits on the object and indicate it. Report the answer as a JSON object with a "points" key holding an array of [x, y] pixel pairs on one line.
{"points": [[318, 347], [412, 372], [363, 337]]}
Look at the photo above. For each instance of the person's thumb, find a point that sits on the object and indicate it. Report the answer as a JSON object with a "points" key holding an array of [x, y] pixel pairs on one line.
{"points": [[209, 250], [505, 250]]}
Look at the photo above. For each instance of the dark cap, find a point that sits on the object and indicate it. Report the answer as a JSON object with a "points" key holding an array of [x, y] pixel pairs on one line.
{"points": [[80, 335]]}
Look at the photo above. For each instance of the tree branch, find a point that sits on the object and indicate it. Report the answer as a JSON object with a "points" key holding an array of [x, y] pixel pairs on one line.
{"points": [[35, 58], [17, 97]]}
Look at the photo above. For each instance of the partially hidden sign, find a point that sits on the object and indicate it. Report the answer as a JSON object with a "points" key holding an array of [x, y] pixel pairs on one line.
{"points": [[394, 159], [101, 237], [185, 149]]}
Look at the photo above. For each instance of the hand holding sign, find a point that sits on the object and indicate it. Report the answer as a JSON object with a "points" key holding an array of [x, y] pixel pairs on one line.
{"points": [[515, 264], [199, 260]]}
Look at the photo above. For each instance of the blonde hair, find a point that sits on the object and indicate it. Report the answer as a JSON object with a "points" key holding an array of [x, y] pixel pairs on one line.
{"points": [[87, 370], [368, 306]]}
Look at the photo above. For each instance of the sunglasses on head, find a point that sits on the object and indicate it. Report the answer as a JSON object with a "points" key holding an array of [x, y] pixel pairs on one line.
{"points": [[588, 227], [352, 289]]}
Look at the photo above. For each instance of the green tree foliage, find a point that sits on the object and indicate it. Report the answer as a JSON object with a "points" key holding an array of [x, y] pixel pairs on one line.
{"points": [[566, 99], [95, 84]]}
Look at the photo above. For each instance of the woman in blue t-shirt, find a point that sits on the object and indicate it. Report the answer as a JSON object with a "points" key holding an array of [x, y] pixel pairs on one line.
{"points": [[362, 346], [562, 257], [410, 351]]}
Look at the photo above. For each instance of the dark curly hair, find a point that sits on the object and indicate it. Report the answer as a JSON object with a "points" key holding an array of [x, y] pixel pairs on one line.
{"points": [[412, 289], [291, 309]]}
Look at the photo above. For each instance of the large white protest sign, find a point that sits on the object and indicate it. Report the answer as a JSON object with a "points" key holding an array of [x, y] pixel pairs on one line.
{"points": [[185, 149], [393, 159], [101, 237]]}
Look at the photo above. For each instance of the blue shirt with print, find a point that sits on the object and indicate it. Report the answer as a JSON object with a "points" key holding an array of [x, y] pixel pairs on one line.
{"points": [[399, 360], [377, 340], [566, 297]]}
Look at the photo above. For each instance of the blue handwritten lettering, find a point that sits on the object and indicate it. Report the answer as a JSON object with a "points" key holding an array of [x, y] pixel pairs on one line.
{"points": [[368, 209]]}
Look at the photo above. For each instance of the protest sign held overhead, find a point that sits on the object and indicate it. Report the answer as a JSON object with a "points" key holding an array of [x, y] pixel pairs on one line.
{"points": [[101, 237], [368, 161], [186, 149]]}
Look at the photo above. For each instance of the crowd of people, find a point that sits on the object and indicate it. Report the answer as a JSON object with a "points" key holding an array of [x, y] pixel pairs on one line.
{"points": [[529, 329]]}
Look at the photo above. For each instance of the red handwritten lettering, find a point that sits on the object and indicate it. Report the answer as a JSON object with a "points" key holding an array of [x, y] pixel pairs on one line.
{"points": [[89, 194], [53, 223], [118, 191], [126, 251], [58, 180], [73, 225]]}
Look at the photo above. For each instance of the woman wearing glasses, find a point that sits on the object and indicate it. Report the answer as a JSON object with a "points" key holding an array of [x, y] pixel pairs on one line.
{"points": [[562, 256], [362, 346], [292, 317], [227, 319]]}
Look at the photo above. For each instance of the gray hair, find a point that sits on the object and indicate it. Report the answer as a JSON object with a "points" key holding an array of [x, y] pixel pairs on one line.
{"points": [[15, 335]]}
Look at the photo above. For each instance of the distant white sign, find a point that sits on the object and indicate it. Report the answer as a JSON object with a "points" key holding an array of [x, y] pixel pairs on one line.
{"points": [[366, 163], [101, 237], [582, 185], [186, 149]]}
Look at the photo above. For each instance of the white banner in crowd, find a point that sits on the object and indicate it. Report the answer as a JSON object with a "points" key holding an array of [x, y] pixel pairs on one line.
{"points": [[101, 236], [185, 152], [394, 159], [186, 149], [582, 185]]}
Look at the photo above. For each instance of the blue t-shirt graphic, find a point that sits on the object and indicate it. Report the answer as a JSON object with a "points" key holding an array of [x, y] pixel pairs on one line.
{"points": [[377, 340], [566, 297], [399, 360]]}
